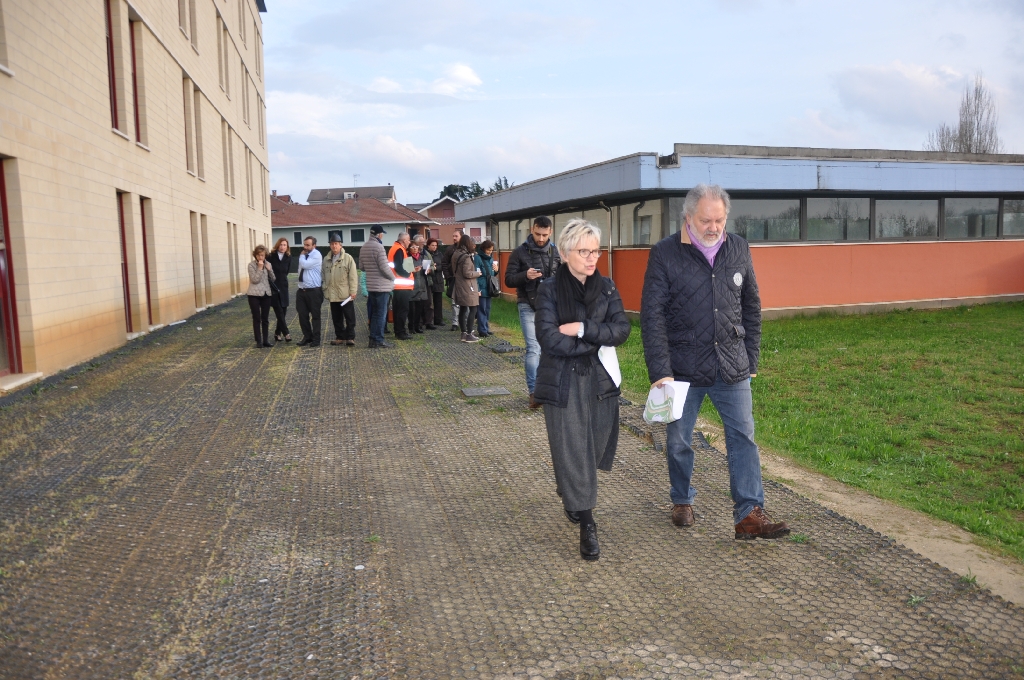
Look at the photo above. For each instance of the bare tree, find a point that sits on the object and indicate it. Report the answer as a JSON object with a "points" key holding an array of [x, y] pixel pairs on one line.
{"points": [[976, 128]]}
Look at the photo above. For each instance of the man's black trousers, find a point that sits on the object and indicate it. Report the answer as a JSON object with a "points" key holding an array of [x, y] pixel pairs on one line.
{"points": [[308, 302], [400, 307], [344, 318]]}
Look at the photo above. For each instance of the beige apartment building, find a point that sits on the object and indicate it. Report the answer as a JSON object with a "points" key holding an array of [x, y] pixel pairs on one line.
{"points": [[134, 179]]}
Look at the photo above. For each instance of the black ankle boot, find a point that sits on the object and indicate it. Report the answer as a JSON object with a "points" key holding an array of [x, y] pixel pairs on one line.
{"points": [[589, 548]]}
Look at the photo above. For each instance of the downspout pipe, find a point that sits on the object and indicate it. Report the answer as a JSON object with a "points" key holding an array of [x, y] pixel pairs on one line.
{"points": [[601, 203]]}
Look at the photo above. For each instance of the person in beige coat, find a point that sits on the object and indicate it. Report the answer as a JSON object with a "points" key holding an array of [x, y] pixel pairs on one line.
{"points": [[466, 293], [341, 284], [259, 293]]}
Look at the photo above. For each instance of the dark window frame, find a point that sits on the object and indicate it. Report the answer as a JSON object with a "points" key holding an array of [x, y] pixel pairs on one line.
{"points": [[111, 72], [126, 283], [8, 300], [297, 238], [135, 81]]}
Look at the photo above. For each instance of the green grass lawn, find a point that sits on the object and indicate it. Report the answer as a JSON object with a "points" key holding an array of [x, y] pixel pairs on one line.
{"points": [[925, 408]]}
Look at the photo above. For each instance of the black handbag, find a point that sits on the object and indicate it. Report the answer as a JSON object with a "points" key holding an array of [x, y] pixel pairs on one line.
{"points": [[493, 287]]}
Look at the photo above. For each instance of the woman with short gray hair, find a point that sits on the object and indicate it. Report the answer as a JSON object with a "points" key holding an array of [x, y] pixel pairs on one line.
{"points": [[578, 312]]}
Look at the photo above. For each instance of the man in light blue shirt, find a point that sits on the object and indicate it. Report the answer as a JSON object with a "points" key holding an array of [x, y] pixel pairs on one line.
{"points": [[310, 296]]}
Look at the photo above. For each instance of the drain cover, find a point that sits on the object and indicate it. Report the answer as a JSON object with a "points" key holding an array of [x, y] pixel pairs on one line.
{"points": [[484, 391]]}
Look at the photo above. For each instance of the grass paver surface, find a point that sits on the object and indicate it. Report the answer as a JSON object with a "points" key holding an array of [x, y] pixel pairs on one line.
{"points": [[925, 408], [196, 507]]}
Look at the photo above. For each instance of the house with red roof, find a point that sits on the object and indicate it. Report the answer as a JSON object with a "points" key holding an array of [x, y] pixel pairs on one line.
{"points": [[352, 218], [442, 212]]}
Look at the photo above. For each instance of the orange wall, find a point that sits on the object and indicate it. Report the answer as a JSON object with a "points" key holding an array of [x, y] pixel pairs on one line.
{"points": [[840, 274]]}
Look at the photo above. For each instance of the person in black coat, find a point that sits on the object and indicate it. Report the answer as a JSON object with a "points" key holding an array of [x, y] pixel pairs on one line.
{"points": [[435, 284], [701, 320], [281, 262], [577, 312]]}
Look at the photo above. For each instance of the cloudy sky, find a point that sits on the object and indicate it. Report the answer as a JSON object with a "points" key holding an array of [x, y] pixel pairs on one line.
{"points": [[423, 94]]}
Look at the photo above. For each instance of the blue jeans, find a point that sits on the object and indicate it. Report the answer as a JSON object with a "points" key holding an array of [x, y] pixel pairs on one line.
{"points": [[378, 308], [483, 315], [526, 320], [735, 406]]}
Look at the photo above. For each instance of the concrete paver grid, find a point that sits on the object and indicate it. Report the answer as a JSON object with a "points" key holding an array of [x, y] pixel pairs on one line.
{"points": [[198, 509]]}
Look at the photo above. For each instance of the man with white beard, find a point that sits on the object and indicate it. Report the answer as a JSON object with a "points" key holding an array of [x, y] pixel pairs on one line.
{"points": [[701, 321]]}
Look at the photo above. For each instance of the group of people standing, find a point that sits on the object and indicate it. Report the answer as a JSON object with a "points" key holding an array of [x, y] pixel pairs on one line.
{"points": [[700, 318], [413, 275]]}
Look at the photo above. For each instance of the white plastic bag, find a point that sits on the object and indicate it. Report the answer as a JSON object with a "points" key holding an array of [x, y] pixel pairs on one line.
{"points": [[610, 361], [665, 403]]}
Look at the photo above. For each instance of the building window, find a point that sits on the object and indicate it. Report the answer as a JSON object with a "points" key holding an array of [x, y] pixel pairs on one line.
{"points": [[134, 36], [193, 30], [111, 73], [259, 50], [838, 219], [231, 160], [906, 219], [227, 69], [1013, 217], [357, 236], [971, 217], [297, 238], [642, 230], [332, 232], [190, 163], [241, 19], [245, 94], [3, 58], [9, 347], [183, 16], [124, 265], [224, 154], [765, 219], [145, 212], [221, 52], [198, 123]]}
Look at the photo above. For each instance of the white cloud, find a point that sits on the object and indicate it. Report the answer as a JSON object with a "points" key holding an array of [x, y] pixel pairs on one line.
{"points": [[902, 94], [458, 79], [386, 150]]}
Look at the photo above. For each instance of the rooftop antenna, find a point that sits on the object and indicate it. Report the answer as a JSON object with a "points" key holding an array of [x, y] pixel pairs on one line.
{"points": [[355, 181]]}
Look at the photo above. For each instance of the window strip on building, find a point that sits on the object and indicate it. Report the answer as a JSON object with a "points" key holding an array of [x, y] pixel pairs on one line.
{"points": [[144, 206], [10, 347], [132, 26], [186, 85], [126, 289], [197, 97], [111, 72]]}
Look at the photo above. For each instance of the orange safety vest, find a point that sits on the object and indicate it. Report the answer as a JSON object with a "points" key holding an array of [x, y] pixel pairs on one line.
{"points": [[401, 282]]}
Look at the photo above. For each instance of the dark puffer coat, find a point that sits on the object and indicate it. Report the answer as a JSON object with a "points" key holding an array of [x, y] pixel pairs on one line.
{"points": [[525, 257], [697, 321], [556, 349]]}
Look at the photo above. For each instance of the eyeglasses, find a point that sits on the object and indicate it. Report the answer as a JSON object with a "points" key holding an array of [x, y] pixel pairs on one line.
{"points": [[586, 253]]}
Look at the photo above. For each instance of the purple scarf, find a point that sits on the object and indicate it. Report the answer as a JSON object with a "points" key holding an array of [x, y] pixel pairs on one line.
{"points": [[708, 252]]}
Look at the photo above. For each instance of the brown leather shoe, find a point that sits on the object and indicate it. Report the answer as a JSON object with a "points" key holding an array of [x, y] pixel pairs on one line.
{"points": [[534, 403], [682, 515], [759, 525], [337, 342]]}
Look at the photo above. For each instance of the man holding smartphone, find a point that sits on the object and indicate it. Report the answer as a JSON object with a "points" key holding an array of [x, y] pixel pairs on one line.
{"points": [[533, 261]]}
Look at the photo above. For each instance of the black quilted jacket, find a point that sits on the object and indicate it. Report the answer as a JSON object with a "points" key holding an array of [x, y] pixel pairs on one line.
{"points": [[610, 326], [696, 320]]}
